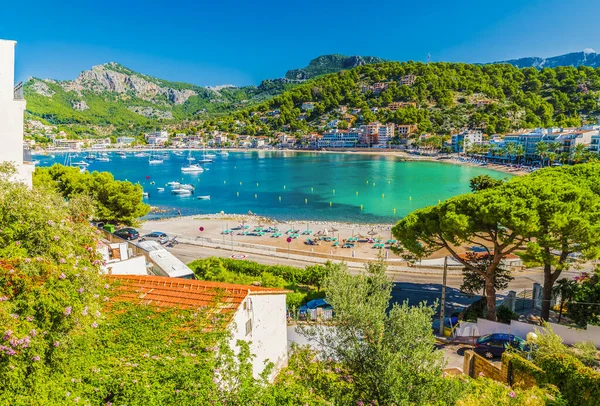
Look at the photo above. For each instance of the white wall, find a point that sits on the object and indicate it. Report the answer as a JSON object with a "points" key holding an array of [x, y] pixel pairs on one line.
{"points": [[132, 266], [11, 115], [570, 336], [268, 339]]}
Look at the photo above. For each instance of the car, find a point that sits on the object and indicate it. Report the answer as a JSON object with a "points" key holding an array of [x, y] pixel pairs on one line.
{"points": [[494, 345], [127, 233], [157, 236]]}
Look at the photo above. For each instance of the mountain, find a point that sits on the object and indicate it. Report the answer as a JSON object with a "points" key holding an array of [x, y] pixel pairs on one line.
{"points": [[576, 59], [330, 64], [112, 94]]}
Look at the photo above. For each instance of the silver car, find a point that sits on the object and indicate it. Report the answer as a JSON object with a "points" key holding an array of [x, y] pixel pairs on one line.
{"points": [[157, 236]]}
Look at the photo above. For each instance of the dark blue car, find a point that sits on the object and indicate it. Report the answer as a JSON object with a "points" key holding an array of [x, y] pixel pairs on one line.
{"points": [[494, 345]]}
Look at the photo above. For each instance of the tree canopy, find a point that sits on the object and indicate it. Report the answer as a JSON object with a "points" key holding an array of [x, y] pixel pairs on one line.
{"points": [[113, 200]]}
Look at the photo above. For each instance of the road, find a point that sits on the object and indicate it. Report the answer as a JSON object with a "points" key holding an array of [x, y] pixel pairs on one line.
{"points": [[523, 279]]}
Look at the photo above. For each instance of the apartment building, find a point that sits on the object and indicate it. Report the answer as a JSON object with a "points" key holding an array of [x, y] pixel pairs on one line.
{"points": [[12, 109]]}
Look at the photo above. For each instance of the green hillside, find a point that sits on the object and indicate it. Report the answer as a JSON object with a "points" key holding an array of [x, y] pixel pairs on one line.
{"points": [[447, 96]]}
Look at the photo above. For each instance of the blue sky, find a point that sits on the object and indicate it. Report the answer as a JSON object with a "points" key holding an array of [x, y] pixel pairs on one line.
{"points": [[242, 42]]}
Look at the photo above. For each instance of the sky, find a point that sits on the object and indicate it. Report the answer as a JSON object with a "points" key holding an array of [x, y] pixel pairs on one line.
{"points": [[243, 42]]}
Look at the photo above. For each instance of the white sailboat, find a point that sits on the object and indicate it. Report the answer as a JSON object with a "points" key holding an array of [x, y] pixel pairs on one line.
{"points": [[207, 197], [181, 192], [154, 159], [173, 184], [205, 159]]}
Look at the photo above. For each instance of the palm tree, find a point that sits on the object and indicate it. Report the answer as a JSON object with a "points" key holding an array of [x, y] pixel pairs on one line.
{"points": [[565, 289], [510, 149], [519, 152], [541, 148], [551, 157], [554, 146], [579, 153]]}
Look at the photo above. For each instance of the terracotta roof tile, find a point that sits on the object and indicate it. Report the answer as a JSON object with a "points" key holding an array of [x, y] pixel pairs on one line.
{"points": [[163, 291]]}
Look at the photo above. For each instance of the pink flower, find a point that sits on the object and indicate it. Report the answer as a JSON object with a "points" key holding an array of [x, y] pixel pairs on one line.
{"points": [[29, 318], [50, 223], [56, 344], [36, 358], [96, 296], [63, 261], [80, 290], [62, 276], [95, 325], [481, 374], [106, 286], [85, 311], [3, 298], [68, 310], [68, 394], [56, 238], [512, 394], [17, 242]]}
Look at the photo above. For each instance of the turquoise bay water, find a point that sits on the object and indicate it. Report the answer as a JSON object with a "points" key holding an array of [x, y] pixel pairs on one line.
{"points": [[296, 185]]}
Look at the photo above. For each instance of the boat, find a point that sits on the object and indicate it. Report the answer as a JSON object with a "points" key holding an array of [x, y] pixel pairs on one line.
{"points": [[145, 194], [223, 153], [207, 197], [178, 153], [103, 159], [104, 154], [140, 155], [154, 158], [173, 184], [181, 192], [192, 168], [160, 189], [187, 187], [190, 158], [36, 161], [80, 163], [206, 158], [90, 156], [122, 154]]}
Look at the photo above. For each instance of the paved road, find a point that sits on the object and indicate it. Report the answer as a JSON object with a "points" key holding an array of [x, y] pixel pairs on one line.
{"points": [[523, 279]]}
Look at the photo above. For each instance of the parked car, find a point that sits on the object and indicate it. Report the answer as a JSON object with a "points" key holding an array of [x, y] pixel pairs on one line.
{"points": [[127, 233], [494, 345], [157, 236]]}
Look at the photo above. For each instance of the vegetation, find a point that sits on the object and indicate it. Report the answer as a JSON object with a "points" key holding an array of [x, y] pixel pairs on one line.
{"points": [[583, 307], [548, 216], [113, 200], [305, 284]]}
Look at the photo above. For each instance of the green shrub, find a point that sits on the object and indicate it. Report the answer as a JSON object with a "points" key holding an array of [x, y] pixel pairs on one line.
{"points": [[505, 315]]}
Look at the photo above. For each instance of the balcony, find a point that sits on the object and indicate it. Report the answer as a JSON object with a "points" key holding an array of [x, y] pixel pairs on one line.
{"points": [[18, 92], [27, 155]]}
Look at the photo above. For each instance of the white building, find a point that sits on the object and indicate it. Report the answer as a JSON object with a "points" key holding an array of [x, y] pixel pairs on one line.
{"points": [[157, 137], [461, 142], [12, 108], [125, 140], [339, 139], [307, 106], [119, 259], [163, 263], [255, 314]]}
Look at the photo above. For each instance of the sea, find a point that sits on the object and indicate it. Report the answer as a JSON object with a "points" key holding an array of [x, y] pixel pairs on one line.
{"points": [[284, 185]]}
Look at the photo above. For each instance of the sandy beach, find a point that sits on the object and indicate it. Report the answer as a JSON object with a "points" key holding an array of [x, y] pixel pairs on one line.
{"points": [[215, 228]]}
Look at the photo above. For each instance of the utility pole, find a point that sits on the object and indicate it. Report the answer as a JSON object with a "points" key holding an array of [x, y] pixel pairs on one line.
{"points": [[443, 305]]}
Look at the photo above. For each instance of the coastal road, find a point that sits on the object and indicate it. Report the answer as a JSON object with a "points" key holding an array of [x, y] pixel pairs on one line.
{"points": [[523, 279]]}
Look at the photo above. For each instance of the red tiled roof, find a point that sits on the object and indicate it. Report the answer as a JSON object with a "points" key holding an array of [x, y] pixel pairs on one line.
{"points": [[163, 291]]}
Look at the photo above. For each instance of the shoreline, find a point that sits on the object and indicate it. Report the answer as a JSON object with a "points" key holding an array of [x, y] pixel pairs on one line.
{"points": [[451, 158]]}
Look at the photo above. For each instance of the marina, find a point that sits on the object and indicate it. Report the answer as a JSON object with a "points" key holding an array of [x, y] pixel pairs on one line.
{"points": [[285, 185]]}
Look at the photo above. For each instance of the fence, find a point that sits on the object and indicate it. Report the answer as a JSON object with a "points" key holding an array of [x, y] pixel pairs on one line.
{"points": [[569, 335]]}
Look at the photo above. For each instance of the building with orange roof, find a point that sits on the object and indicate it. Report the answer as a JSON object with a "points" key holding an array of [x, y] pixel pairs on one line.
{"points": [[254, 314]]}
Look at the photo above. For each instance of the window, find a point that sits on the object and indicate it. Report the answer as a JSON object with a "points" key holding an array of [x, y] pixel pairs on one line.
{"points": [[249, 327]]}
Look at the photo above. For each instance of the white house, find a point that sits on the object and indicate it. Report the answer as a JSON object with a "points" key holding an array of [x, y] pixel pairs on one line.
{"points": [[125, 140], [119, 259], [466, 139], [157, 137], [12, 108], [255, 314]]}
